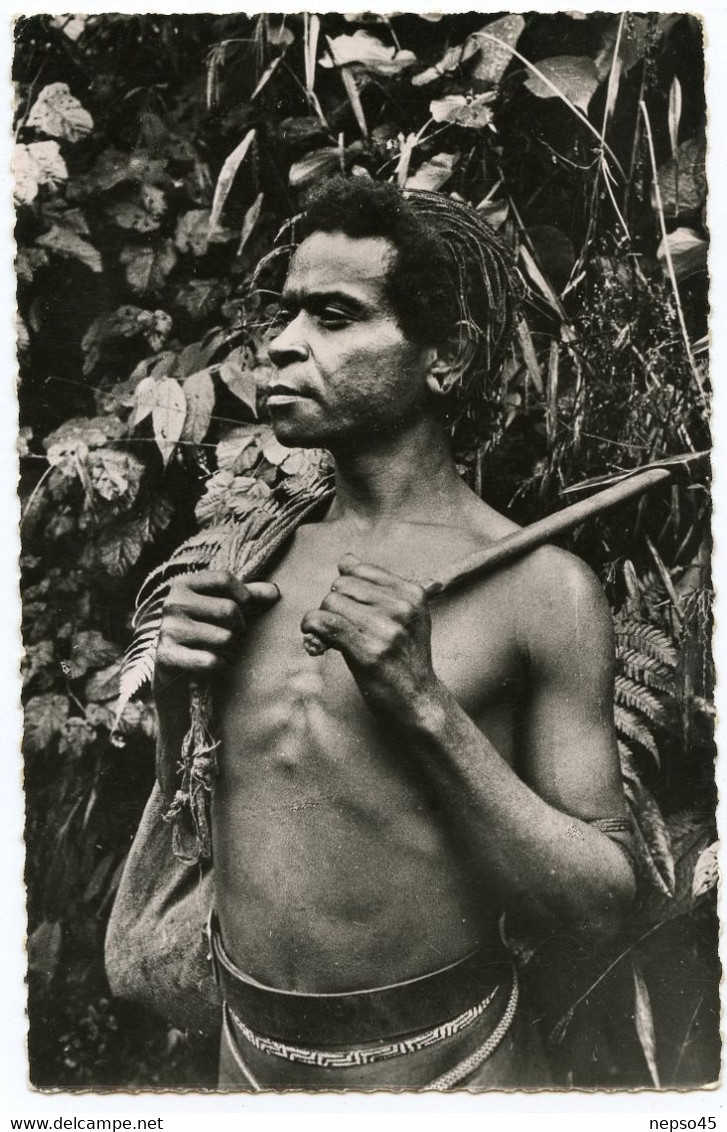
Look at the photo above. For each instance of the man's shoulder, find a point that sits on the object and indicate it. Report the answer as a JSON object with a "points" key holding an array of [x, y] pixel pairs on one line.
{"points": [[562, 605]]}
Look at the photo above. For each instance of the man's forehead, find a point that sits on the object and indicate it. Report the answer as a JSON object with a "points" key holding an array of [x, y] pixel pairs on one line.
{"points": [[331, 261]]}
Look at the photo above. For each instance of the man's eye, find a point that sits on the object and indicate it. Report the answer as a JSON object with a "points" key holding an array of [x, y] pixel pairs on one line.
{"points": [[332, 316]]}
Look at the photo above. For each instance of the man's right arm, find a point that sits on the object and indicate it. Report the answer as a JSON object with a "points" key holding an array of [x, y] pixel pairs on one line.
{"points": [[203, 619]]}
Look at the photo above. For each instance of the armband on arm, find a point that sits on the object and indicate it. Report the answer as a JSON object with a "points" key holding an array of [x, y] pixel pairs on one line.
{"points": [[620, 831]]}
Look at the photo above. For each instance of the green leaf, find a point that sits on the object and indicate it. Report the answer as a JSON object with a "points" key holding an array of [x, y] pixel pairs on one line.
{"points": [[491, 62], [44, 717], [142, 213], [148, 267], [199, 391], [431, 175], [168, 416], [144, 400], [239, 378], [688, 251], [273, 451], [226, 177], [238, 450], [200, 297], [644, 1022], [368, 52], [72, 26], [250, 220], [44, 949], [103, 685], [39, 163], [59, 114], [473, 113], [317, 164], [65, 242], [230, 496], [89, 649], [574, 76], [192, 235], [706, 871], [28, 261], [682, 179], [488, 61]]}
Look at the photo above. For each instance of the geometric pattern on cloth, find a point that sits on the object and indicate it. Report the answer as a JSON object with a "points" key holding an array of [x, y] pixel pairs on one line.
{"points": [[343, 1059], [480, 1055]]}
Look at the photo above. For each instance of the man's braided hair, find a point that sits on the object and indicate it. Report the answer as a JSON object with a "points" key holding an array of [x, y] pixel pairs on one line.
{"points": [[451, 278]]}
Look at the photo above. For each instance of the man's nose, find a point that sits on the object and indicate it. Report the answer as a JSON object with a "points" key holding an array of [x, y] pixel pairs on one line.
{"points": [[289, 345]]}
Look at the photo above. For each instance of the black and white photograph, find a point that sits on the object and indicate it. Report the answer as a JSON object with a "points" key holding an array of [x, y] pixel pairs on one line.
{"points": [[366, 552]]}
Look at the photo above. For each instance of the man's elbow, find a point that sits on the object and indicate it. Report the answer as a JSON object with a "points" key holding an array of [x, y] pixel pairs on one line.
{"points": [[610, 910]]}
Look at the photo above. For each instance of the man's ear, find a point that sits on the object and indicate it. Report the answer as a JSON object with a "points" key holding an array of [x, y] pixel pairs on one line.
{"points": [[450, 362]]}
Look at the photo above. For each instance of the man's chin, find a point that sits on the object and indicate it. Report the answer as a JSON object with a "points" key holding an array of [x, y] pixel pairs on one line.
{"points": [[287, 433]]}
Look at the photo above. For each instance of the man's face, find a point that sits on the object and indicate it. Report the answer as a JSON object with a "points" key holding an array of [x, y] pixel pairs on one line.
{"points": [[346, 374]]}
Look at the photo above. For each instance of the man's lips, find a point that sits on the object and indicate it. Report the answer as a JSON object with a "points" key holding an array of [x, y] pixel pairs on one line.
{"points": [[279, 394]]}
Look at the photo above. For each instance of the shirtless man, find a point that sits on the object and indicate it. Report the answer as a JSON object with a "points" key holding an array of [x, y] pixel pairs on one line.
{"points": [[380, 806]]}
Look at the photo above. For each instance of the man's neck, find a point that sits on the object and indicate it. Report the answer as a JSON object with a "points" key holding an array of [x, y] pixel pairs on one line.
{"points": [[407, 478]]}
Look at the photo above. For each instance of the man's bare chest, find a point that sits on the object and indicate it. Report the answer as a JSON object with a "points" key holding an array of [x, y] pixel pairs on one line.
{"points": [[475, 651]]}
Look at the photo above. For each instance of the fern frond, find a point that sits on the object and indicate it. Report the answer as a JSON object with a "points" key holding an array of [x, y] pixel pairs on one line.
{"points": [[629, 724], [243, 547], [651, 835], [632, 694], [647, 639], [646, 670]]}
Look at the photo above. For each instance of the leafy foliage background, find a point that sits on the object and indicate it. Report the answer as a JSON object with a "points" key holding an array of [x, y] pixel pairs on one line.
{"points": [[157, 157]]}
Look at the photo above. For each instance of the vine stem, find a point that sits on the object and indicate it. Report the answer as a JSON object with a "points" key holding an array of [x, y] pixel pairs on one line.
{"points": [[667, 252]]}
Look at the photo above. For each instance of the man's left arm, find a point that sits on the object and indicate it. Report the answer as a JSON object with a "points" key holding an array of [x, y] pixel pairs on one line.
{"points": [[528, 832]]}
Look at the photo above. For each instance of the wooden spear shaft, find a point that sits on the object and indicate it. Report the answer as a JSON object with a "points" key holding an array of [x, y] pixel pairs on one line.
{"points": [[482, 562], [505, 550]]}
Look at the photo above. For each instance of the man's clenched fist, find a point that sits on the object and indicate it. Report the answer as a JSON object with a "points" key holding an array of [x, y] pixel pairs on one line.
{"points": [[203, 617], [380, 623]]}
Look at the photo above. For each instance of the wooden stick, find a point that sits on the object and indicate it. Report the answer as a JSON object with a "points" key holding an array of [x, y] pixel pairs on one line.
{"points": [[482, 562], [505, 550]]}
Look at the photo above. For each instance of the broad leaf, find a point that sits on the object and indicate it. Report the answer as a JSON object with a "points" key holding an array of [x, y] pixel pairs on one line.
{"points": [[433, 174], [682, 179], [250, 220], [103, 685], [192, 233], [144, 400], [239, 378], [473, 113], [67, 243], [44, 717], [143, 212], [39, 163], [644, 1022], [89, 649], [200, 297], [574, 77], [491, 62], [226, 177], [72, 26], [273, 451], [369, 52], [115, 475], [147, 267], [238, 451], [199, 391], [168, 416], [706, 871], [228, 495], [314, 166], [688, 252], [59, 114], [44, 949], [487, 61]]}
